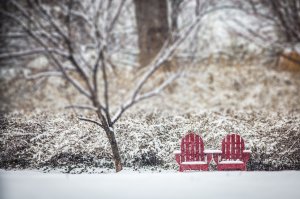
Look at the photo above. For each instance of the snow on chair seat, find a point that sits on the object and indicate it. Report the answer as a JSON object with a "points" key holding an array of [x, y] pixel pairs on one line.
{"points": [[231, 162], [191, 155], [234, 156], [193, 163]]}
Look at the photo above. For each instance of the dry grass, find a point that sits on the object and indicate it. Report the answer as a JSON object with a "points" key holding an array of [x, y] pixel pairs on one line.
{"points": [[290, 62]]}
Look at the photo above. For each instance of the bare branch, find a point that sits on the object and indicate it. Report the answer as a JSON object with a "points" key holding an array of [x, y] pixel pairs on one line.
{"points": [[146, 95], [9, 55], [87, 107], [91, 120], [280, 15], [43, 74], [122, 109], [159, 88], [50, 19], [113, 22], [68, 40], [50, 54]]}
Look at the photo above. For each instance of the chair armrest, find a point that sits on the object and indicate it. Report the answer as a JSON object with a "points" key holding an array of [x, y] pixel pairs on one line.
{"points": [[246, 155], [212, 154], [177, 154]]}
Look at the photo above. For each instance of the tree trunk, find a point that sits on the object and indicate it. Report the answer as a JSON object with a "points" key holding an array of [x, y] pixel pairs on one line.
{"points": [[110, 135], [175, 5], [114, 148], [152, 26]]}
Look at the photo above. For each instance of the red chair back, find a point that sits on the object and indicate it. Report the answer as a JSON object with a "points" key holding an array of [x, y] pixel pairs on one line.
{"points": [[232, 147], [192, 148]]}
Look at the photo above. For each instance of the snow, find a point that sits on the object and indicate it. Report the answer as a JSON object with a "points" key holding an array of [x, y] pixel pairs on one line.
{"points": [[177, 152], [231, 162], [194, 162], [212, 151], [133, 185]]}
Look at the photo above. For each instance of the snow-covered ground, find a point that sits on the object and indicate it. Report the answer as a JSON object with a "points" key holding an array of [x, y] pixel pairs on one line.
{"points": [[135, 185]]}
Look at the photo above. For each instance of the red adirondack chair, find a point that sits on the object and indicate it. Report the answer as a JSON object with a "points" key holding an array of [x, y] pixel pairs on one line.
{"points": [[234, 156], [191, 155]]}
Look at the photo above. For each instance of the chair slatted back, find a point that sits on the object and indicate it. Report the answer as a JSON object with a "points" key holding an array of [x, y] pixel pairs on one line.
{"points": [[232, 147], [192, 148]]}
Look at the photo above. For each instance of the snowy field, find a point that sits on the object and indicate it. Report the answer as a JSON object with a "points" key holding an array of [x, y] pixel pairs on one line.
{"points": [[135, 185]]}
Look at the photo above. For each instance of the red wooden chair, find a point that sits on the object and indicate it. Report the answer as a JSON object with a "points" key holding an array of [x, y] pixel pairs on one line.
{"points": [[234, 156], [191, 155]]}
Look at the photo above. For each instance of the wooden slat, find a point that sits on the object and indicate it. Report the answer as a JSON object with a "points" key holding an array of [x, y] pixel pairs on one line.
{"points": [[197, 145], [232, 150], [227, 144], [183, 155], [232, 147], [238, 147], [201, 149], [242, 145], [223, 149], [187, 147], [192, 147]]}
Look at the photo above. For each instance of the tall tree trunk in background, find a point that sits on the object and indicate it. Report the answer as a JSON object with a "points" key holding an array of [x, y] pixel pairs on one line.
{"points": [[152, 27], [175, 9]]}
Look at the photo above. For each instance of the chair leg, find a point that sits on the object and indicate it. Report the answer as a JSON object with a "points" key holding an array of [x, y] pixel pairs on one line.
{"points": [[180, 169], [245, 168], [219, 168]]}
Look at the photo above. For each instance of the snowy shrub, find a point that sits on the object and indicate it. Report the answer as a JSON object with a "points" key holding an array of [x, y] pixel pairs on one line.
{"points": [[146, 139]]}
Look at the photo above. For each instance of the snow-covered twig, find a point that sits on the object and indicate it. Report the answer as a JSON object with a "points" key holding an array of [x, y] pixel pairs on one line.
{"points": [[87, 107], [91, 120], [10, 55], [43, 74]]}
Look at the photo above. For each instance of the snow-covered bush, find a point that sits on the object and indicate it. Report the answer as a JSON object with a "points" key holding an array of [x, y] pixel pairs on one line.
{"points": [[146, 139]]}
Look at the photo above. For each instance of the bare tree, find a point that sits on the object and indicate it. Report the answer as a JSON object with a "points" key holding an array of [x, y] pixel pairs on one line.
{"points": [[285, 16], [64, 32], [281, 17]]}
